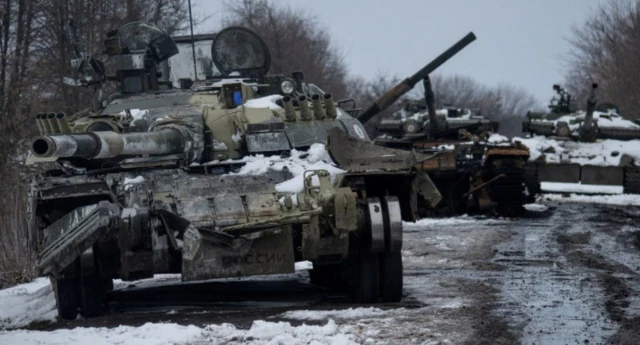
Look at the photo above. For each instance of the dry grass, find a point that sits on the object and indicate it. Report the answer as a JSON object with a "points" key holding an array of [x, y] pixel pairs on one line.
{"points": [[17, 258]]}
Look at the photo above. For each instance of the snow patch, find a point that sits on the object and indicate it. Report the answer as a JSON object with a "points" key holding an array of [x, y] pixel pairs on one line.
{"points": [[264, 102], [351, 313], [260, 333], [303, 265], [27, 303], [535, 207], [317, 158], [607, 152], [556, 187], [619, 199], [429, 223], [128, 182]]}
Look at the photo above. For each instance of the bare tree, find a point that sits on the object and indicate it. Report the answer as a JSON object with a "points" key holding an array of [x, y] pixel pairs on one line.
{"points": [[34, 56], [298, 42], [606, 50]]}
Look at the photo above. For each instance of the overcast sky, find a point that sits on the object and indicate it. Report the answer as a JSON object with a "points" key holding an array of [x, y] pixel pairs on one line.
{"points": [[519, 42]]}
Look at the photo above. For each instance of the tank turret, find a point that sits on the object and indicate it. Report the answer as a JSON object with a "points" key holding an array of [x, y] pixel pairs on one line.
{"points": [[597, 121]]}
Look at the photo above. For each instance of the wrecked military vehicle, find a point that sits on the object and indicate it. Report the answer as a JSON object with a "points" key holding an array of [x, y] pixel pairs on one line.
{"points": [[147, 182], [565, 121], [473, 174]]}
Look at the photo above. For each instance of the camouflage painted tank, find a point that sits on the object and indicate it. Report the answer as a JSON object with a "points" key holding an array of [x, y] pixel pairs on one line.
{"points": [[147, 182], [564, 120], [472, 173]]}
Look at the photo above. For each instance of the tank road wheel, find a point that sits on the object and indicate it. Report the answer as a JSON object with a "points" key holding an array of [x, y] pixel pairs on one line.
{"points": [[91, 295], [531, 181], [563, 130], [65, 293], [366, 289], [363, 274], [631, 180], [391, 277], [92, 286]]}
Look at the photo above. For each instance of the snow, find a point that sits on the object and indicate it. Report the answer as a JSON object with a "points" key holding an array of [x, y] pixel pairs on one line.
{"points": [[136, 114], [27, 303], [128, 182], [603, 119], [580, 188], [351, 313], [260, 333], [303, 266], [535, 207], [264, 102], [135, 180], [497, 138], [618, 199], [604, 153], [431, 223], [317, 158]]}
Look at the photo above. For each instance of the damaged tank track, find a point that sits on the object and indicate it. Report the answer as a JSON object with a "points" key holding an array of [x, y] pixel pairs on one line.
{"points": [[472, 174], [145, 183]]}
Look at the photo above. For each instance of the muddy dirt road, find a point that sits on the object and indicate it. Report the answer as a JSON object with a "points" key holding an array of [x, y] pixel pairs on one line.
{"points": [[567, 275]]}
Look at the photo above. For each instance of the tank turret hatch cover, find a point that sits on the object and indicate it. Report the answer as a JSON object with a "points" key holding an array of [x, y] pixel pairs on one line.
{"points": [[237, 49], [138, 37]]}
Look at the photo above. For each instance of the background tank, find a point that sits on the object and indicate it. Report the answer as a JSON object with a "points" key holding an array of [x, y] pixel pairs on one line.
{"points": [[472, 173], [564, 120], [141, 185]]}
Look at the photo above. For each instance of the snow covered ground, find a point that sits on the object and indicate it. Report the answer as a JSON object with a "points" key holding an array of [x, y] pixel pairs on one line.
{"points": [[261, 332], [617, 199], [559, 187], [26, 303]]}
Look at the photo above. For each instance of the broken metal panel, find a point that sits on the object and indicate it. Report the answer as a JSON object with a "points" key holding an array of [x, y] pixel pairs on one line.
{"points": [[356, 155], [567, 173], [443, 161], [203, 259], [197, 210], [229, 210], [261, 206], [306, 133], [267, 142], [612, 176], [424, 187], [71, 235]]}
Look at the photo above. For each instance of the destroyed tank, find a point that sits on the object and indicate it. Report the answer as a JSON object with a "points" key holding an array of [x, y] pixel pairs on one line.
{"points": [[565, 121], [473, 174], [414, 117], [150, 181]]}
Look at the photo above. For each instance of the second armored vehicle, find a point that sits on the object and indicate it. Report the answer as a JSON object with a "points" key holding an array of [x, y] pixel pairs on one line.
{"points": [[564, 120], [471, 173]]}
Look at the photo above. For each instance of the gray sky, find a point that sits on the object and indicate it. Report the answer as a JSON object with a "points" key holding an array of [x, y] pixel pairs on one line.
{"points": [[519, 42]]}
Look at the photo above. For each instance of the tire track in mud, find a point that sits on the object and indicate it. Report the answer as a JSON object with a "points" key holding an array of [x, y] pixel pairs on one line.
{"points": [[615, 277]]}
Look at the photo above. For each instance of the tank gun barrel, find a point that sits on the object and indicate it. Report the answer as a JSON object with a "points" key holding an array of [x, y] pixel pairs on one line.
{"points": [[406, 85], [97, 145]]}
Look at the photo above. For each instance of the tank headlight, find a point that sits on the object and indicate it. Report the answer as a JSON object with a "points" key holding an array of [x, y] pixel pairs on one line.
{"points": [[287, 87]]}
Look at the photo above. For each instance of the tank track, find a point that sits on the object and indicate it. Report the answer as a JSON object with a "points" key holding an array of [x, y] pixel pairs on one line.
{"points": [[632, 180], [531, 181], [508, 192]]}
